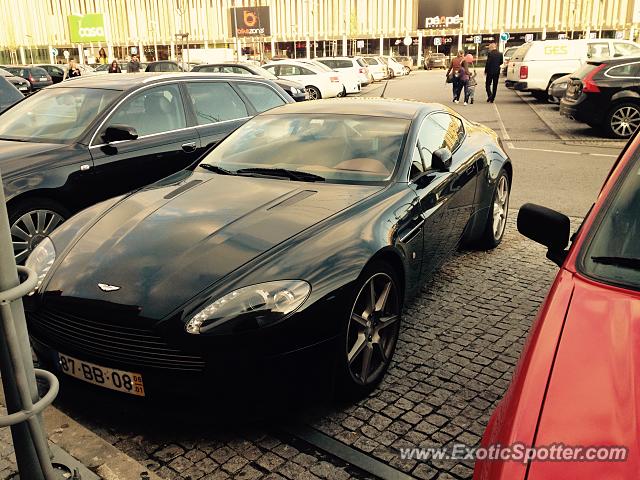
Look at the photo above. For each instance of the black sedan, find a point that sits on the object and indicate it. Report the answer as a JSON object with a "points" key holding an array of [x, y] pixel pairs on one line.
{"points": [[605, 95], [290, 248], [82, 141], [38, 77], [294, 89], [20, 83]]}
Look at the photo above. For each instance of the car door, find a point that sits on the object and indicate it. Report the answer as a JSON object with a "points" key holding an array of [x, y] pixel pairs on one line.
{"points": [[56, 73], [166, 142], [446, 197], [218, 110]]}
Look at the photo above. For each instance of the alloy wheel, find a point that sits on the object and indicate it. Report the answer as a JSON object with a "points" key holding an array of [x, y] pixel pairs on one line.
{"points": [[625, 121], [30, 229], [373, 329], [312, 92], [500, 207]]}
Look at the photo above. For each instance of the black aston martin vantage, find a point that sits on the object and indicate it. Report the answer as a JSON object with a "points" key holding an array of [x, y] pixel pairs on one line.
{"points": [[295, 242]]}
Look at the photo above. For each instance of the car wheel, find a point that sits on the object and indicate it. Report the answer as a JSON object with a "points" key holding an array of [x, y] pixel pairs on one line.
{"points": [[314, 93], [371, 332], [343, 93], [31, 221], [498, 213], [623, 120]]}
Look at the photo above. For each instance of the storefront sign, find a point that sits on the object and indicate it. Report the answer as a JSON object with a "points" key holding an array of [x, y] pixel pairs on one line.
{"points": [[438, 14], [87, 28], [250, 22]]}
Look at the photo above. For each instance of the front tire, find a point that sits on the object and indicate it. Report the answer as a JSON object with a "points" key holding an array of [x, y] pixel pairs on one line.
{"points": [[314, 93], [496, 224], [623, 120], [371, 332], [32, 220]]}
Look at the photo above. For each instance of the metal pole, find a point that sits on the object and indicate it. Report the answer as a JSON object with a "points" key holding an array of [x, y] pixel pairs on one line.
{"points": [[235, 24], [23, 439]]}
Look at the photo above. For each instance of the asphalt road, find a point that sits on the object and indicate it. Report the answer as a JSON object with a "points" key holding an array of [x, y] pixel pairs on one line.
{"points": [[557, 162]]}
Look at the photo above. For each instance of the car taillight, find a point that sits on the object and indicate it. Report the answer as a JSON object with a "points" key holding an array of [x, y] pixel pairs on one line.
{"points": [[31, 78], [588, 85], [335, 79], [362, 70], [524, 72]]}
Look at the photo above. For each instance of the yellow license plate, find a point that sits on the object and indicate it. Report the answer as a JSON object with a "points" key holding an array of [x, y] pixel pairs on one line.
{"points": [[119, 380]]}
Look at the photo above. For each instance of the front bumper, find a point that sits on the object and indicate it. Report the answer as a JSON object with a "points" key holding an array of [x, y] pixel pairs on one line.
{"points": [[520, 86]]}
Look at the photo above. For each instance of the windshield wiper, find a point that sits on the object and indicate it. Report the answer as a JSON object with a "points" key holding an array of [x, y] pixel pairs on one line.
{"points": [[15, 139], [216, 169], [625, 262], [283, 172]]}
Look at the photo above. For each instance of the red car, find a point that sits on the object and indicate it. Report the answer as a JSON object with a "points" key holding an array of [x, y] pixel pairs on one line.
{"points": [[577, 385]]}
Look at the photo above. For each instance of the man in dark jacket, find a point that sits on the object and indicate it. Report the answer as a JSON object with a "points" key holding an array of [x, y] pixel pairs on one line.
{"points": [[492, 71], [134, 65]]}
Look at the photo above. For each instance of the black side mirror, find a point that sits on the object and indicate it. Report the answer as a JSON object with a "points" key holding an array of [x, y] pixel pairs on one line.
{"points": [[547, 227], [118, 133], [441, 159]]}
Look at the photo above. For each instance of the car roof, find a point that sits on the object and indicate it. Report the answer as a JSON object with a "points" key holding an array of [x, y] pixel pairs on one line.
{"points": [[129, 81], [376, 107]]}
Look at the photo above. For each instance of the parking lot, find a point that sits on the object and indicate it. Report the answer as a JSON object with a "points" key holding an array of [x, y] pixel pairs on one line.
{"points": [[459, 343]]}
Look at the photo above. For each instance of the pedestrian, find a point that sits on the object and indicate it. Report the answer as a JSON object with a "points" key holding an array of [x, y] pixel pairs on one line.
{"points": [[73, 70], [102, 57], [492, 71], [114, 67], [453, 75], [134, 65], [464, 76], [471, 86]]}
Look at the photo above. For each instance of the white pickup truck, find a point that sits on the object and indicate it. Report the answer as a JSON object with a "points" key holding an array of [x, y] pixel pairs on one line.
{"points": [[535, 65]]}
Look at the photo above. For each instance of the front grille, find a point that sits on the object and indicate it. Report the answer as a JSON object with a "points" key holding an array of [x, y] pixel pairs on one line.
{"points": [[107, 342]]}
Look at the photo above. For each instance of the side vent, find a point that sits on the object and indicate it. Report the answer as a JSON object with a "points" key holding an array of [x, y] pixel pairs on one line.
{"points": [[298, 197], [181, 189]]}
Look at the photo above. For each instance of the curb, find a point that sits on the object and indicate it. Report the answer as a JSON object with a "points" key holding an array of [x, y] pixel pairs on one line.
{"points": [[94, 452]]}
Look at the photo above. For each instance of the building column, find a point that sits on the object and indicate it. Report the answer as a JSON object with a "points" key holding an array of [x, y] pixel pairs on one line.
{"points": [[172, 51], [632, 33], [544, 33], [419, 60], [308, 45], [110, 53], [51, 57], [460, 40], [381, 45], [345, 48], [273, 47]]}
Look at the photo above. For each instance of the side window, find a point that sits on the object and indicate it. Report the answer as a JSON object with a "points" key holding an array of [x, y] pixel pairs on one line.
{"points": [[624, 71], [212, 69], [305, 71], [152, 111], [453, 128], [430, 138], [272, 69], [417, 166], [288, 70], [343, 64], [598, 50], [623, 49], [330, 63], [215, 102], [262, 97]]}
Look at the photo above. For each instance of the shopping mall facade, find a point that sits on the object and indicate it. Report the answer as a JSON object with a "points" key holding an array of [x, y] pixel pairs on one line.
{"points": [[43, 30]]}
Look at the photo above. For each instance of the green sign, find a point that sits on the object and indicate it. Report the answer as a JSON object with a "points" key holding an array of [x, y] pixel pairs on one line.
{"points": [[87, 28]]}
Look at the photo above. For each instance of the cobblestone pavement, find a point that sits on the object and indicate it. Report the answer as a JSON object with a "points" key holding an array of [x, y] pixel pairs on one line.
{"points": [[7, 457], [460, 341]]}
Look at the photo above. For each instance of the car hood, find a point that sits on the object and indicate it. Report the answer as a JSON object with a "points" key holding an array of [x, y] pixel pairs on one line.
{"points": [[16, 156], [167, 243], [594, 389]]}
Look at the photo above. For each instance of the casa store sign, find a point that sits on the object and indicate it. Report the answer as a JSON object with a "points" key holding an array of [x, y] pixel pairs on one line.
{"points": [[87, 28], [440, 14], [250, 22]]}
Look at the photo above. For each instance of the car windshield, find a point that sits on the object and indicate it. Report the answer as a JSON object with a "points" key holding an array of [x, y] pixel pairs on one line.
{"points": [[56, 115], [613, 254], [340, 148]]}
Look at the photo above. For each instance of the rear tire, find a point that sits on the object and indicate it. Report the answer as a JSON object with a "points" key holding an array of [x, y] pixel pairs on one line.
{"points": [[314, 93], [623, 120], [370, 333]]}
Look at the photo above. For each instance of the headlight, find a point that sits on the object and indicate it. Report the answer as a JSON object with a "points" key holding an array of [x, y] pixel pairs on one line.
{"points": [[295, 91], [41, 259], [251, 307]]}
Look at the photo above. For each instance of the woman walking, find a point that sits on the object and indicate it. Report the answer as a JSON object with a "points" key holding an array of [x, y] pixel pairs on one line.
{"points": [[74, 70], [102, 57], [463, 77], [453, 76], [114, 67]]}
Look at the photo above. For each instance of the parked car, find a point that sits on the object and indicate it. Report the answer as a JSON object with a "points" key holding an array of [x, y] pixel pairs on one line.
{"points": [[355, 65], [38, 78], [378, 69], [558, 88], [576, 382], [435, 60], [406, 62], [317, 82], [20, 83], [9, 94], [606, 95], [349, 79], [82, 141], [535, 65], [251, 268], [506, 55], [56, 72], [294, 89], [395, 69], [163, 66]]}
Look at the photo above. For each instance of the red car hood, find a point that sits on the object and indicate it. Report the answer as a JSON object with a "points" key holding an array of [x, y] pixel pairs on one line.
{"points": [[593, 398]]}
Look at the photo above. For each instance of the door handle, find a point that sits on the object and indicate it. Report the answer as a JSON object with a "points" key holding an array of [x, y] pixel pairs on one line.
{"points": [[189, 147]]}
